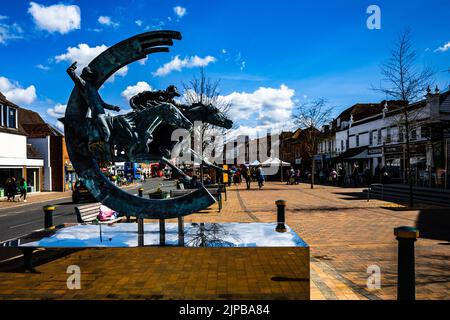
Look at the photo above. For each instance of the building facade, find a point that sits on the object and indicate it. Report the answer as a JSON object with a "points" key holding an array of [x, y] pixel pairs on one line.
{"points": [[372, 139], [58, 174], [18, 158]]}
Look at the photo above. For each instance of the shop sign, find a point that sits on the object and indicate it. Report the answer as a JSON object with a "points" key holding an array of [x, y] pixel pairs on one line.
{"points": [[417, 149], [373, 151]]}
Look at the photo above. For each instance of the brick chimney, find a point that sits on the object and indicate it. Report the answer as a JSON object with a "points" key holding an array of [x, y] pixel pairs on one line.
{"points": [[433, 102]]}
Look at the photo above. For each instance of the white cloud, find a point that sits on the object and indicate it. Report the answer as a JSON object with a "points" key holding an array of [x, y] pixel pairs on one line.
{"points": [[444, 48], [56, 18], [42, 67], [9, 31], [260, 130], [139, 23], [264, 106], [57, 111], [131, 91], [179, 11], [84, 54], [14, 92], [177, 64], [106, 21]]}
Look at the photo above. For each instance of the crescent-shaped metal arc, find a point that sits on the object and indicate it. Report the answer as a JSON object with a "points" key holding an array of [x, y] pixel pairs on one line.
{"points": [[111, 60]]}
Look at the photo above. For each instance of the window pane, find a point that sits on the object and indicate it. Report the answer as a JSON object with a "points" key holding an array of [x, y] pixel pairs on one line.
{"points": [[12, 118]]}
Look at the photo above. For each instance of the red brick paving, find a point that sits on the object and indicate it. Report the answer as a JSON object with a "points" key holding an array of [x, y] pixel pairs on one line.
{"points": [[346, 234]]}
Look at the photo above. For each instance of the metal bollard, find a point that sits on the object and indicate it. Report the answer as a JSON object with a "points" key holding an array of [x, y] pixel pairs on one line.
{"points": [[48, 217], [162, 232], [140, 232], [181, 231], [406, 274], [281, 216], [141, 192]]}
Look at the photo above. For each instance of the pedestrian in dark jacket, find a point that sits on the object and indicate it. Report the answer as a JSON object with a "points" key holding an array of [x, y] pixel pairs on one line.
{"points": [[13, 189], [8, 189]]}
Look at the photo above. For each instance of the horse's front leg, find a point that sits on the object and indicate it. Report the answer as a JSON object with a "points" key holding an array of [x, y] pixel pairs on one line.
{"points": [[148, 136]]}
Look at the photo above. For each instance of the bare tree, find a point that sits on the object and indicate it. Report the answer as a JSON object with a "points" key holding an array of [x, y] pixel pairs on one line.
{"points": [[405, 81], [205, 90], [311, 116]]}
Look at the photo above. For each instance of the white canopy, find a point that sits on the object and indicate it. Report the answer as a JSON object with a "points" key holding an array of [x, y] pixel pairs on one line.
{"points": [[275, 162], [255, 163]]}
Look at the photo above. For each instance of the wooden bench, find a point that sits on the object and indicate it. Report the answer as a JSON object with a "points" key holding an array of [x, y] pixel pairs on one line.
{"points": [[215, 192], [89, 213]]}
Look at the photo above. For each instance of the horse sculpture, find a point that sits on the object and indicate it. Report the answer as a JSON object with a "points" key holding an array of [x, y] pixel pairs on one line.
{"points": [[165, 148], [145, 134]]}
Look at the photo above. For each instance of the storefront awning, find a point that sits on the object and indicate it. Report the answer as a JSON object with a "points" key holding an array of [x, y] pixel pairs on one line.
{"points": [[354, 153]]}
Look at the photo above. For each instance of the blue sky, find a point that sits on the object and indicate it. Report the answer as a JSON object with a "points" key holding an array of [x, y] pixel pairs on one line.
{"points": [[267, 54]]}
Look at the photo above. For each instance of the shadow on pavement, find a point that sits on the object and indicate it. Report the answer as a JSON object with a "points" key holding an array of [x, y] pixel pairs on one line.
{"points": [[434, 224], [39, 258]]}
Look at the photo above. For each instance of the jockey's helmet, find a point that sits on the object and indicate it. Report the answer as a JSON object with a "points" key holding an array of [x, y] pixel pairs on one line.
{"points": [[172, 91]]}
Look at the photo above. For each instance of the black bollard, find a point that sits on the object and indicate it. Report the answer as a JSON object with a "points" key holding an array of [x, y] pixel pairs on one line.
{"points": [[181, 231], [140, 232], [406, 275], [28, 259], [281, 217], [141, 192], [48, 217], [162, 232]]}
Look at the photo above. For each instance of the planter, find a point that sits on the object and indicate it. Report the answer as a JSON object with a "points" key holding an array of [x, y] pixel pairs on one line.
{"points": [[158, 195]]}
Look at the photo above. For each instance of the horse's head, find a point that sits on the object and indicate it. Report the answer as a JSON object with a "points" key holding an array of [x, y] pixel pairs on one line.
{"points": [[209, 114]]}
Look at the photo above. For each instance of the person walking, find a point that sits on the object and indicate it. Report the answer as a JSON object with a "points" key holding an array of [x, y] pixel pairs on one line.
{"points": [[355, 175], [260, 177], [8, 189], [23, 189], [297, 176], [334, 177], [292, 176], [13, 189], [341, 176], [248, 177]]}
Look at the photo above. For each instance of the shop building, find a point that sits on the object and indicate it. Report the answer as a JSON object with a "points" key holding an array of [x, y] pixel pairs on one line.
{"points": [[18, 158], [371, 137], [58, 174]]}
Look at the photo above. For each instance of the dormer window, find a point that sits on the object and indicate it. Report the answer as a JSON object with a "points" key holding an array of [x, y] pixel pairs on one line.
{"points": [[12, 118]]}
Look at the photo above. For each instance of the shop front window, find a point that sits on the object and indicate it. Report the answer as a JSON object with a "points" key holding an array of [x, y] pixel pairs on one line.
{"points": [[6, 174], [33, 180], [393, 167]]}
